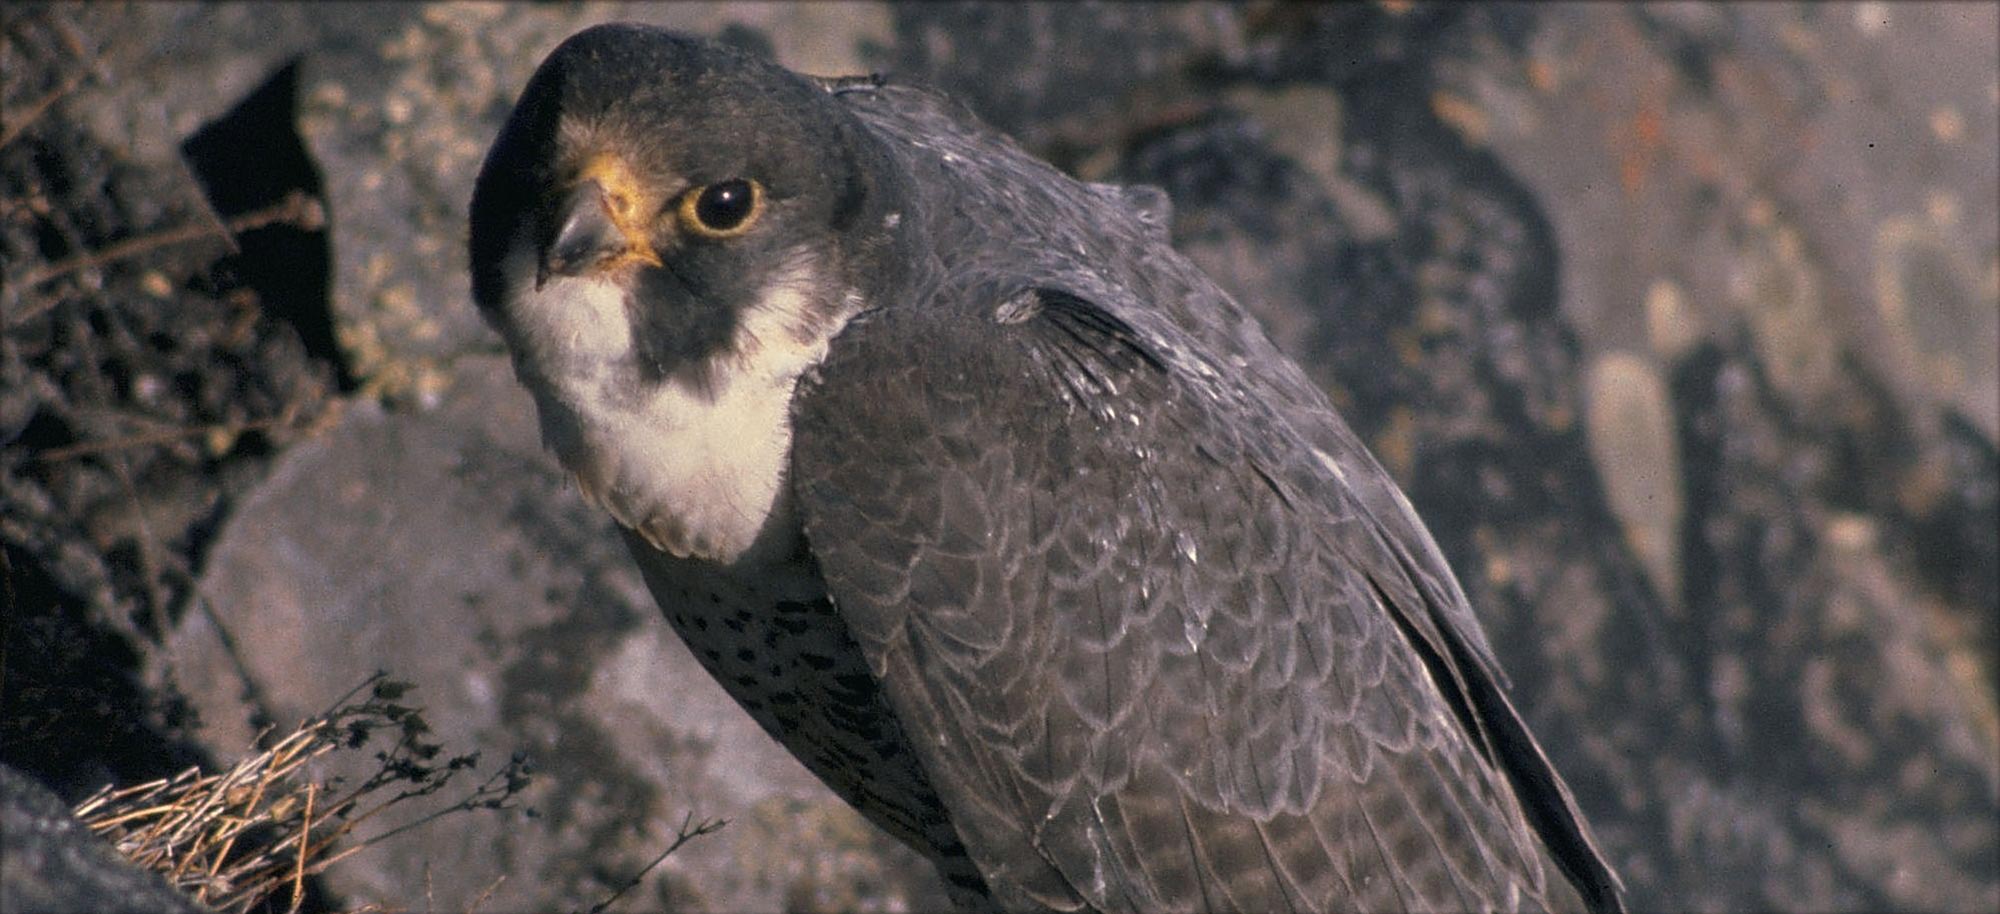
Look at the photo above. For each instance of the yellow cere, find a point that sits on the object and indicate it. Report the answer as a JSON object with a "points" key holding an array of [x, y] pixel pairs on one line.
{"points": [[630, 201]]}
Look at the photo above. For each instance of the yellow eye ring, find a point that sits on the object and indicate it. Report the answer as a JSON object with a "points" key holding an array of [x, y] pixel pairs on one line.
{"points": [[721, 210]]}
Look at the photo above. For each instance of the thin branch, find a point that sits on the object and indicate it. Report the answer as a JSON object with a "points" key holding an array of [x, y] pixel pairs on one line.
{"points": [[297, 208], [234, 840], [707, 827], [15, 124], [40, 106], [478, 902], [305, 841], [288, 420]]}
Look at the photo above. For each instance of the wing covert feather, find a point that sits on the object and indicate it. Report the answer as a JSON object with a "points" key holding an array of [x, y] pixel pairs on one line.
{"points": [[1136, 632]]}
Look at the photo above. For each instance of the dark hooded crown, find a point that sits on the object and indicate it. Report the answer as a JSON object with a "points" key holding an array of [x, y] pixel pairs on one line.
{"points": [[681, 113]]}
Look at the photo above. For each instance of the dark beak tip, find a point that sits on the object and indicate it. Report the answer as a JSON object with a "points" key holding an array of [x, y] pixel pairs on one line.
{"points": [[585, 235]]}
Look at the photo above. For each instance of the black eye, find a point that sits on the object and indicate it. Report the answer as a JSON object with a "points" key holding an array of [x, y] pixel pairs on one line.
{"points": [[723, 209]]}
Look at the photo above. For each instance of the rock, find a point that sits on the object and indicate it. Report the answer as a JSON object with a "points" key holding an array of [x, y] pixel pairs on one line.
{"points": [[143, 383], [55, 865], [445, 548]]}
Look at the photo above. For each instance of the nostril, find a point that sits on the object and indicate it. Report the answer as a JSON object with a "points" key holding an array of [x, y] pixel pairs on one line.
{"points": [[619, 205]]}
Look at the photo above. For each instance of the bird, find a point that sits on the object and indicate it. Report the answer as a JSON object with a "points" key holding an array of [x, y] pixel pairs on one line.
{"points": [[992, 508]]}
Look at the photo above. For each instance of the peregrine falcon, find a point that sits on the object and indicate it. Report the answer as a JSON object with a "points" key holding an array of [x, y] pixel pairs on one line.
{"points": [[993, 509]]}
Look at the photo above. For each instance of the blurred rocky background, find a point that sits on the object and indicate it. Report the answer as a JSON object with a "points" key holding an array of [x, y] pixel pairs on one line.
{"points": [[1680, 323]]}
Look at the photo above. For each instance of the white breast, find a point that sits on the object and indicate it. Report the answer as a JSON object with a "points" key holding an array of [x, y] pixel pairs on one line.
{"points": [[699, 475]]}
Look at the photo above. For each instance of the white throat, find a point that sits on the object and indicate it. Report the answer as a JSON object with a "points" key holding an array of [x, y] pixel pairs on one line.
{"points": [[697, 474]]}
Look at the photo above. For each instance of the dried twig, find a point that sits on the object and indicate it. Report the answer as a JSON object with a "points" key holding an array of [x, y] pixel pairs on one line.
{"points": [[477, 902], [297, 208], [286, 420], [15, 123], [231, 840], [35, 109], [305, 841], [707, 827]]}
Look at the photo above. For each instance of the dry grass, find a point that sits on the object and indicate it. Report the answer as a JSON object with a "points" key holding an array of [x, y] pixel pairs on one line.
{"points": [[236, 840], [246, 839]]}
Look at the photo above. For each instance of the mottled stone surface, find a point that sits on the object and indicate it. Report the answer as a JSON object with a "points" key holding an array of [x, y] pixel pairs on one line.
{"points": [[1681, 325], [54, 865], [444, 547]]}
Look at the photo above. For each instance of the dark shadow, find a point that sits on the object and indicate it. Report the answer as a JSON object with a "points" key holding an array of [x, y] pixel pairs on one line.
{"points": [[77, 715], [249, 160]]}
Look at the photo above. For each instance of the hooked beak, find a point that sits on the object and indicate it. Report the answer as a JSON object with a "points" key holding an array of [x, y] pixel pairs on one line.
{"points": [[588, 236], [585, 235]]}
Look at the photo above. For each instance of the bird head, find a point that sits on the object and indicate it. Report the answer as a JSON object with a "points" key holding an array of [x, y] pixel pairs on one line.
{"points": [[662, 210]]}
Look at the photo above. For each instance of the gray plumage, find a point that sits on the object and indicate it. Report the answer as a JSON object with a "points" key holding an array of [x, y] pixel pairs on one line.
{"points": [[1055, 567]]}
